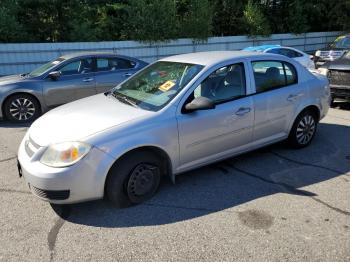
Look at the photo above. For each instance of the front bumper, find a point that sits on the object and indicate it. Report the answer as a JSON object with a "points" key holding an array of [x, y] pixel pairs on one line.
{"points": [[80, 182], [340, 91]]}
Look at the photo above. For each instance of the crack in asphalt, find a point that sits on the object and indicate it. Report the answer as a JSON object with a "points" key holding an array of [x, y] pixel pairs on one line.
{"points": [[52, 236], [347, 213], [8, 159], [307, 164], [14, 191], [290, 188], [200, 209]]}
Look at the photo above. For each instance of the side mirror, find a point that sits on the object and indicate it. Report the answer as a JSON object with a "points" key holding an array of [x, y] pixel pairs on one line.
{"points": [[54, 75], [200, 103]]}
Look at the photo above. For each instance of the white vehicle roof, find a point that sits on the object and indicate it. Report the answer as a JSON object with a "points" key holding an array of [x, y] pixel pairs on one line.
{"points": [[214, 57]]}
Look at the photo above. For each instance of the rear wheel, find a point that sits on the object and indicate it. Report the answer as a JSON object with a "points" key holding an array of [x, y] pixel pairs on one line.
{"points": [[21, 108], [134, 179], [303, 130]]}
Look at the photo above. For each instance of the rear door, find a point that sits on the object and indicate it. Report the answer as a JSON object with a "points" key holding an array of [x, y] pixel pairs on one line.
{"points": [[110, 71], [77, 80], [277, 96]]}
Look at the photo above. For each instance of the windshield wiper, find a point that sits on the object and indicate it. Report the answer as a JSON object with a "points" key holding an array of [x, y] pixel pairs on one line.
{"points": [[124, 99], [24, 75]]}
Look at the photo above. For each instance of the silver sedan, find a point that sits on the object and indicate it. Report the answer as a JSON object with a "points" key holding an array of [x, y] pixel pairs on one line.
{"points": [[179, 113], [70, 77]]}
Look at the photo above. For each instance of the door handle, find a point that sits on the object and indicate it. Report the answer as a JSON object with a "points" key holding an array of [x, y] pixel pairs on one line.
{"points": [[292, 97], [242, 111], [88, 79], [128, 74]]}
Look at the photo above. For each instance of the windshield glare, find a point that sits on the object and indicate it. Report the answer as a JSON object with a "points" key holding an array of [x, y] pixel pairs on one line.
{"points": [[158, 84], [40, 70], [341, 42]]}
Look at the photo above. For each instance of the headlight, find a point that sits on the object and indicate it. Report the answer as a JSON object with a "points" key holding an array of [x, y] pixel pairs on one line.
{"points": [[64, 154], [322, 71], [318, 53]]}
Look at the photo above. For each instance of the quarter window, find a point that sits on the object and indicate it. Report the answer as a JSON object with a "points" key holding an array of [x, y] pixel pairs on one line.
{"points": [[269, 75], [224, 84]]}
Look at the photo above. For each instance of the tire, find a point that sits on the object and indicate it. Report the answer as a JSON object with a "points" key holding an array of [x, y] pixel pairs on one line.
{"points": [[133, 179], [21, 108], [303, 129]]}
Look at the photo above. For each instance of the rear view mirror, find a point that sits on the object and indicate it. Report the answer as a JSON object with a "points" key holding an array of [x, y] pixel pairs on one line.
{"points": [[200, 103], [54, 75]]}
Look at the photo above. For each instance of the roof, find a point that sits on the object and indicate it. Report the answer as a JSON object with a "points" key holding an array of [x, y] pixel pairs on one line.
{"points": [[260, 48], [208, 58], [79, 54], [83, 54]]}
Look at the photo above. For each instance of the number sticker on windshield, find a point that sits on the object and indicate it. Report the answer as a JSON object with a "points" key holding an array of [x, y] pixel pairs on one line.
{"points": [[166, 86]]}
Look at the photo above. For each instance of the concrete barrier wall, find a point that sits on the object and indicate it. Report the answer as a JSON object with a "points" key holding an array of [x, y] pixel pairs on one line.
{"points": [[21, 58]]}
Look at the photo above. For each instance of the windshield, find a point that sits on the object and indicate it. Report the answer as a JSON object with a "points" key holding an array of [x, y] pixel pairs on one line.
{"points": [[40, 70], [341, 42], [156, 85]]}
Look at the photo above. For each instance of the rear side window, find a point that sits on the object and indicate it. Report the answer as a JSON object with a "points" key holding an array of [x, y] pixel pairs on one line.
{"points": [[290, 53], [286, 52], [270, 75], [112, 64]]}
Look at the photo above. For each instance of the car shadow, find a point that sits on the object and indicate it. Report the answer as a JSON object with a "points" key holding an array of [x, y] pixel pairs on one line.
{"points": [[342, 105], [9, 124], [227, 184]]}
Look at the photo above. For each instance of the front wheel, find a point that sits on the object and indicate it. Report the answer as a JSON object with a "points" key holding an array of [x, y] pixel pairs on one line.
{"points": [[21, 108], [303, 130], [134, 179]]}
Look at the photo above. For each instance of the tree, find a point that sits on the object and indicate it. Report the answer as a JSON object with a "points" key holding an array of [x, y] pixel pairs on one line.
{"points": [[196, 20], [228, 18], [10, 29], [152, 21], [297, 19], [257, 23]]}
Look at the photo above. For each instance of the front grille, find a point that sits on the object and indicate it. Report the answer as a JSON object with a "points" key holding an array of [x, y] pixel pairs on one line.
{"points": [[31, 147], [50, 194], [337, 77]]}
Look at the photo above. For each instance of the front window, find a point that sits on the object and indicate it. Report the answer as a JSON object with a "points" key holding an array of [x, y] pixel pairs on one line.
{"points": [[224, 84], [42, 69], [82, 66], [156, 85]]}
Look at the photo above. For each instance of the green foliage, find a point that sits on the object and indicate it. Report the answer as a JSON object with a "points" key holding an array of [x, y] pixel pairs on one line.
{"points": [[228, 18], [255, 19], [162, 20], [196, 21], [152, 21], [297, 19], [10, 29]]}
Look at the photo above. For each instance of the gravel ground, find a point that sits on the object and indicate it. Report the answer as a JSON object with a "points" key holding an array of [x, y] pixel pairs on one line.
{"points": [[273, 204]]}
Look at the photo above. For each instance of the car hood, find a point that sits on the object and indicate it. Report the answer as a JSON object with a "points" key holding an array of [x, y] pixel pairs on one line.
{"points": [[340, 64], [82, 118], [12, 79]]}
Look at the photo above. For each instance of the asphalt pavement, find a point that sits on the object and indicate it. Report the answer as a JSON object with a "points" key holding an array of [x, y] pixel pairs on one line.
{"points": [[273, 204]]}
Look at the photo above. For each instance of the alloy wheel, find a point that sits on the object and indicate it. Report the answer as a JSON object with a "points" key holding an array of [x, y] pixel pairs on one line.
{"points": [[305, 129], [22, 109]]}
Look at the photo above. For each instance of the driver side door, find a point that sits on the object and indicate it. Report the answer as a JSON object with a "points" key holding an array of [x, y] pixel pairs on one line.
{"points": [[77, 80], [208, 135]]}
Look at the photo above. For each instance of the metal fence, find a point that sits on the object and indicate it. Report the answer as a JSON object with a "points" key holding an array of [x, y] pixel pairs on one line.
{"points": [[20, 58]]}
